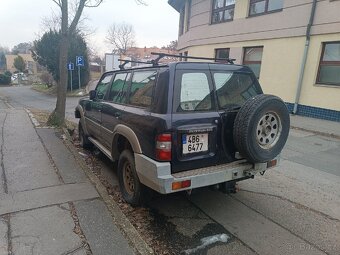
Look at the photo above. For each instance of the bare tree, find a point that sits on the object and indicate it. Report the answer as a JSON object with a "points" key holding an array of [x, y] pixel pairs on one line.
{"points": [[121, 37], [58, 115], [53, 22]]}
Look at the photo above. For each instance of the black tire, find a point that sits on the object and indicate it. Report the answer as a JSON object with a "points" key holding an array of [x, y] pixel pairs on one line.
{"points": [[83, 139], [261, 128], [133, 191]]}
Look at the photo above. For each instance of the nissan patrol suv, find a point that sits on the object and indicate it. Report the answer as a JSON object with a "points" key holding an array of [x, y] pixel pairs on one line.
{"points": [[183, 125]]}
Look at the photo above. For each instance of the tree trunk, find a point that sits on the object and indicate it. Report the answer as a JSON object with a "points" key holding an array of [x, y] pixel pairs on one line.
{"points": [[62, 86], [58, 116]]}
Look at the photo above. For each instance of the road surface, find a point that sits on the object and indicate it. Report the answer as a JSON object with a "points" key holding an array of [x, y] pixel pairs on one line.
{"points": [[24, 96]]}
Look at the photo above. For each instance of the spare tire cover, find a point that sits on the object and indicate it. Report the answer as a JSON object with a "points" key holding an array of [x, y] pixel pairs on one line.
{"points": [[261, 128]]}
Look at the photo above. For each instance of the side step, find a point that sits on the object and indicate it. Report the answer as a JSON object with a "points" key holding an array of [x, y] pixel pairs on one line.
{"points": [[101, 148]]}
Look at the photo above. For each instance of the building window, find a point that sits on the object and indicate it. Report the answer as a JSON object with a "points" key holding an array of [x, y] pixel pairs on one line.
{"points": [[181, 21], [329, 67], [222, 10], [258, 7], [222, 53], [252, 57], [188, 16]]}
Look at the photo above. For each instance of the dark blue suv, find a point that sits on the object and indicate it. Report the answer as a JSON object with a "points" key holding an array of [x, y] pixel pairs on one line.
{"points": [[183, 125]]}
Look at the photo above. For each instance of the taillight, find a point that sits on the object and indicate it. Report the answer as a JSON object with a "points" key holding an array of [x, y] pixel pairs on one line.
{"points": [[181, 184], [163, 147]]}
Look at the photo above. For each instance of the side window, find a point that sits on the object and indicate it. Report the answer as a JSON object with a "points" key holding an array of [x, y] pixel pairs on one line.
{"points": [[118, 89], [142, 86], [195, 93], [103, 86]]}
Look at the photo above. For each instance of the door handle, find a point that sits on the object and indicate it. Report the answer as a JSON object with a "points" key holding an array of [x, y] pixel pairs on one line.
{"points": [[117, 115]]}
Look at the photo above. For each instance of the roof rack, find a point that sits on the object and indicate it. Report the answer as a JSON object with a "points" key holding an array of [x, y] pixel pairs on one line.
{"points": [[122, 66], [162, 55]]}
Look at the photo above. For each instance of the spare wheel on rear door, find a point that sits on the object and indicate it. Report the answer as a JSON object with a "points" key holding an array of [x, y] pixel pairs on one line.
{"points": [[261, 128]]}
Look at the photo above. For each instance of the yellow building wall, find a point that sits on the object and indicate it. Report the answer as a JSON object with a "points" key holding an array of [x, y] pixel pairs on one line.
{"points": [[280, 68]]}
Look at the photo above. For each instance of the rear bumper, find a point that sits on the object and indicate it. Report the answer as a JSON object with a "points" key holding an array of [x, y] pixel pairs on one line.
{"points": [[157, 175]]}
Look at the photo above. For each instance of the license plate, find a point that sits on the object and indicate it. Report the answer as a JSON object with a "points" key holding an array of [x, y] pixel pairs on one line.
{"points": [[195, 143]]}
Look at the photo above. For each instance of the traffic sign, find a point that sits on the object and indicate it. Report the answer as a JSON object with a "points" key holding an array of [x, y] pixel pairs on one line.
{"points": [[79, 60], [70, 66]]}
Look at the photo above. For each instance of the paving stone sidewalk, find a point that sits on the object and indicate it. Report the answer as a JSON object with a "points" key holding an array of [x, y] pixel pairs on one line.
{"points": [[47, 204], [316, 125]]}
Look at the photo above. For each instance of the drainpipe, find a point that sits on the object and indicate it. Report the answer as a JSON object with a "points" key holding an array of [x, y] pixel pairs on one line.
{"points": [[304, 58]]}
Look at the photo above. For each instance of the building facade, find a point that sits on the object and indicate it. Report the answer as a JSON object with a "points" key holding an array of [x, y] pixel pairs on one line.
{"points": [[293, 46], [31, 66]]}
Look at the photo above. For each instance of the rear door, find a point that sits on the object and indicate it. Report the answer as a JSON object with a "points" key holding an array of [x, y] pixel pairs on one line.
{"points": [[233, 89], [196, 122]]}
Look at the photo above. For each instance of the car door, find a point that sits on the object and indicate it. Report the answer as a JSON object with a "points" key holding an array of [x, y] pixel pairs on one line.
{"points": [[113, 106], [195, 121], [94, 107]]}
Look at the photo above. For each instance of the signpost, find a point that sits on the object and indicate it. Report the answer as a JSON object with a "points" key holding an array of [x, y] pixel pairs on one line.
{"points": [[79, 63], [70, 67]]}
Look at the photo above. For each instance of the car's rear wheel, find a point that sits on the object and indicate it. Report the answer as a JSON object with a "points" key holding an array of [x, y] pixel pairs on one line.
{"points": [[83, 138], [261, 128], [133, 191]]}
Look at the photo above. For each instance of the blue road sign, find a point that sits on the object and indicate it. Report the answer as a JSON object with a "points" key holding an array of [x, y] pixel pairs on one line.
{"points": [[70, 66], [79, 60]]}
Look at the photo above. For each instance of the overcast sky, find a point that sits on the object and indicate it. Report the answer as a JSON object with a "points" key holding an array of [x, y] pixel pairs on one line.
{"points": [[155, 24]]}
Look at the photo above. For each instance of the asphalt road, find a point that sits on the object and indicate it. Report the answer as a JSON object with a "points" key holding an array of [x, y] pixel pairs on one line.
{"points": [[24, 96], [292, 209]]}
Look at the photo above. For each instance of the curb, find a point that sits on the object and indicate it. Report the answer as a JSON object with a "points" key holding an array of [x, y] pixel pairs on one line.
{"points": [[118, 216], [55, 95], [331, 135]]}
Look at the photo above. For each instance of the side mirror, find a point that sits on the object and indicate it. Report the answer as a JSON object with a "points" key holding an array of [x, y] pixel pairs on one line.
{"points": [[93, 94], [100, 96]]}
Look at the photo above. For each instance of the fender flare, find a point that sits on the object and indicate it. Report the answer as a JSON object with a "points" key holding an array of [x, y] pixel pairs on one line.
{"points": [[130, 135], [80, 109]]}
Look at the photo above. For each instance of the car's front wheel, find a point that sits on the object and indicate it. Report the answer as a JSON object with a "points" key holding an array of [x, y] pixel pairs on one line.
{"points": [[133, 191]]}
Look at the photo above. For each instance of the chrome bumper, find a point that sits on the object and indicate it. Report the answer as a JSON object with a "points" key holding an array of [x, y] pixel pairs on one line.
{"points": [[157, 175]]}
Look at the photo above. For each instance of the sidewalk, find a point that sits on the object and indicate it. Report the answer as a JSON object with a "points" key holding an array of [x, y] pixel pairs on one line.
{"points": [[47, 204], [316, 125]]}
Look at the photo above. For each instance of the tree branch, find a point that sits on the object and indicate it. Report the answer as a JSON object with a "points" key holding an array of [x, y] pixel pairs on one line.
{"points": [[57, 2], [141, 2], [76, 18], [96, 4]]}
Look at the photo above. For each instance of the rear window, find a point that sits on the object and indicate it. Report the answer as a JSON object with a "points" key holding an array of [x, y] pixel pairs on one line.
{"points": [[233, 89], [194, 92]]}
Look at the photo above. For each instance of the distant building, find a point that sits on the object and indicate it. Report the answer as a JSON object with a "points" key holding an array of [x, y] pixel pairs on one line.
{"points": [[144, 54], [271, 37], [31, 66]]}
